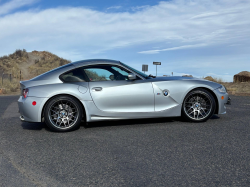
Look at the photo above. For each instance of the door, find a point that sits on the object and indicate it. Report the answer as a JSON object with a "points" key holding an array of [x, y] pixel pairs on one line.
{"points": [[111, 90]]}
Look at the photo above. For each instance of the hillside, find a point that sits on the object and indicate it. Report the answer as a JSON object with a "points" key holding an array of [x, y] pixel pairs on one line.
{"points": [[44, 61], [11, 64], [29, 64]]}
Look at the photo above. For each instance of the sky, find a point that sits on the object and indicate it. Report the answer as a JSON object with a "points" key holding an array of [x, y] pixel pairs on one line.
{"points": [[197, 37]]}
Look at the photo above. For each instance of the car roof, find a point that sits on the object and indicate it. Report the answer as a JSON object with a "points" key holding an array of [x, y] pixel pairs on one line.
{"points": [[55, 72], [94, 61]]}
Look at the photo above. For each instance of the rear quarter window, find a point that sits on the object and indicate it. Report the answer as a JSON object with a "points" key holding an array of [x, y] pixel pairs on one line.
{"points": [[75, 75]]}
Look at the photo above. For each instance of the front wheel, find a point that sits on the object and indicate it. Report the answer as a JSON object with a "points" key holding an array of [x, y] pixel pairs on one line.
{"points": [[198, 106], [63, 113]]}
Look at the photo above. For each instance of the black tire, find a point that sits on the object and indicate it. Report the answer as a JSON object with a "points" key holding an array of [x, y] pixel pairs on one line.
{"points": [[198, 106], [63, 113]]}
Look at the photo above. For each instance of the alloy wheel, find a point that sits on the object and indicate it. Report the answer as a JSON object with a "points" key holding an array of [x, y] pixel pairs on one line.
{"points": [[198, 106], [63, 114]]}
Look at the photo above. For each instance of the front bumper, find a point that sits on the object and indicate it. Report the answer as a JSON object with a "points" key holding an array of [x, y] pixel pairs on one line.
{"points": [[223, 100], [228, 101], [27, 111]]}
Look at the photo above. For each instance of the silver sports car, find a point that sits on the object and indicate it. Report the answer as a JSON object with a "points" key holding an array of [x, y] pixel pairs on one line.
{"points": [[95, 90]]}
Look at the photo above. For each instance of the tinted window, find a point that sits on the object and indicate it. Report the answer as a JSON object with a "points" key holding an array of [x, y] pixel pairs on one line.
{"points": [[75, 75], [106, 73]]}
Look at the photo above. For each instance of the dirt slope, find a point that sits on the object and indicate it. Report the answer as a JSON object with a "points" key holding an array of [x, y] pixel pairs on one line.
{"points": [[24, 67], [30, 64]]}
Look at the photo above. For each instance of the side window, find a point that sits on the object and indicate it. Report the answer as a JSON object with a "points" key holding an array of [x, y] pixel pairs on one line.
{"points": [[106, 73], [75, 75], [97, 74], [121, 71]]}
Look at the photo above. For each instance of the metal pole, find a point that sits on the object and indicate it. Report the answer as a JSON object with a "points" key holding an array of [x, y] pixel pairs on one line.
{"points": [[156, 70], [2, 79]]}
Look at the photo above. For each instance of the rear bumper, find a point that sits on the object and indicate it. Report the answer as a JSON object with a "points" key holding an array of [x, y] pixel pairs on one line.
{"points": [[29, 112]]}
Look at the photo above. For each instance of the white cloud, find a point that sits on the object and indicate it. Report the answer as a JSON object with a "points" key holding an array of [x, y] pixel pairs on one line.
{"points": [[14, 4], [212, 14], [172, 48], [95, 32], [137, 8], [77, 33], [114, 7]]}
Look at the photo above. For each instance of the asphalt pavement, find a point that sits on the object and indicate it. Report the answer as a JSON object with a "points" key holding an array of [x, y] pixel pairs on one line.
{"points": [[150, 152]]}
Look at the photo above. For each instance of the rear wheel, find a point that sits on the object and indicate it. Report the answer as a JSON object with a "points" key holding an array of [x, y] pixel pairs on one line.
{"points": [[63, 113], [198, 106]]}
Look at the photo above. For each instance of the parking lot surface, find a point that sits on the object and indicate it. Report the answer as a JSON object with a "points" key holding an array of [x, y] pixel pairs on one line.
{"points": [[149, 152]]}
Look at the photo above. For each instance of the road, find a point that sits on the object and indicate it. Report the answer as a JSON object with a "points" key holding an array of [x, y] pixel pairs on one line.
{"points": [[152, 152]]}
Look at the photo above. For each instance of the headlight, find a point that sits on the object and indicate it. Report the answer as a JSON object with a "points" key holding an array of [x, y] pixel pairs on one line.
{"points": [[222, 89]]}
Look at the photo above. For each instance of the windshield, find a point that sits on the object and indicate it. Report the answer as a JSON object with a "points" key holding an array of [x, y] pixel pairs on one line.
{"points": [[136, 71]]}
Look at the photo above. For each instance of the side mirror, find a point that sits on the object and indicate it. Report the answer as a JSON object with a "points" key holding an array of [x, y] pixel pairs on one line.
{"points": [[131, 76]]}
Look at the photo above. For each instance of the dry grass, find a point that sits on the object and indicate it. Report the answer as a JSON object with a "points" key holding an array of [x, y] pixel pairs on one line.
{"points": [[9, 86], [31, 64], [232, 88], [238, 88], [214, 79], [10, 64], [48, 61]]}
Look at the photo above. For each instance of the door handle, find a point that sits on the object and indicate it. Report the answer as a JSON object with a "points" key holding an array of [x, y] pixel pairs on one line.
{"points": [[96, 89]]}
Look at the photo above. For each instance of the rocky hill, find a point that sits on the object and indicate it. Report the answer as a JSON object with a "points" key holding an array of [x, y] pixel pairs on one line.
{"points": [[23, 65], [11, 64], [30, 64], [243, 76]]}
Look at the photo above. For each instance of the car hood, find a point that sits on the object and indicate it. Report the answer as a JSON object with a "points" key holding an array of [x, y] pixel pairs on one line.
{"points": [[170, 78], [214, 85]]}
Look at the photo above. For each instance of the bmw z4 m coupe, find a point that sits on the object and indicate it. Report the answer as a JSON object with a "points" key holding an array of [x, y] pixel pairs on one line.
{"points": [[97, 90]]}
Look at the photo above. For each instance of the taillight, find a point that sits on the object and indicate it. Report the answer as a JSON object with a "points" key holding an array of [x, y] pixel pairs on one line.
{"points": [[25, 92]]}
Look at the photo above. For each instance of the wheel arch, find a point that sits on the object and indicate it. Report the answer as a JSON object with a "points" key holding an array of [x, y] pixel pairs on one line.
{"points": [[84, 110], [212, 93]]}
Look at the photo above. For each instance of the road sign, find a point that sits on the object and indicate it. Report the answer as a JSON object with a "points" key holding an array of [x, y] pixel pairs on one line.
{"points": [[144, 67], [157, 63]]}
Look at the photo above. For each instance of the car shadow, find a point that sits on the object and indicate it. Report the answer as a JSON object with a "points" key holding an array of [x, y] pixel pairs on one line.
{"points": [[131, 122], [139, 121], [42, 125], [215, 117], [34, 126]]}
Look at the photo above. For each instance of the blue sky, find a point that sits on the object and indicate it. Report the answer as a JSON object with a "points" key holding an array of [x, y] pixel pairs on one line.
{"points": [[94, 4], [198, 37]]}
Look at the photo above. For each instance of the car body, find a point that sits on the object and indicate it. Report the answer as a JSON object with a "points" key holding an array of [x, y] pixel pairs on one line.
{"points": [[111, 90]]}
